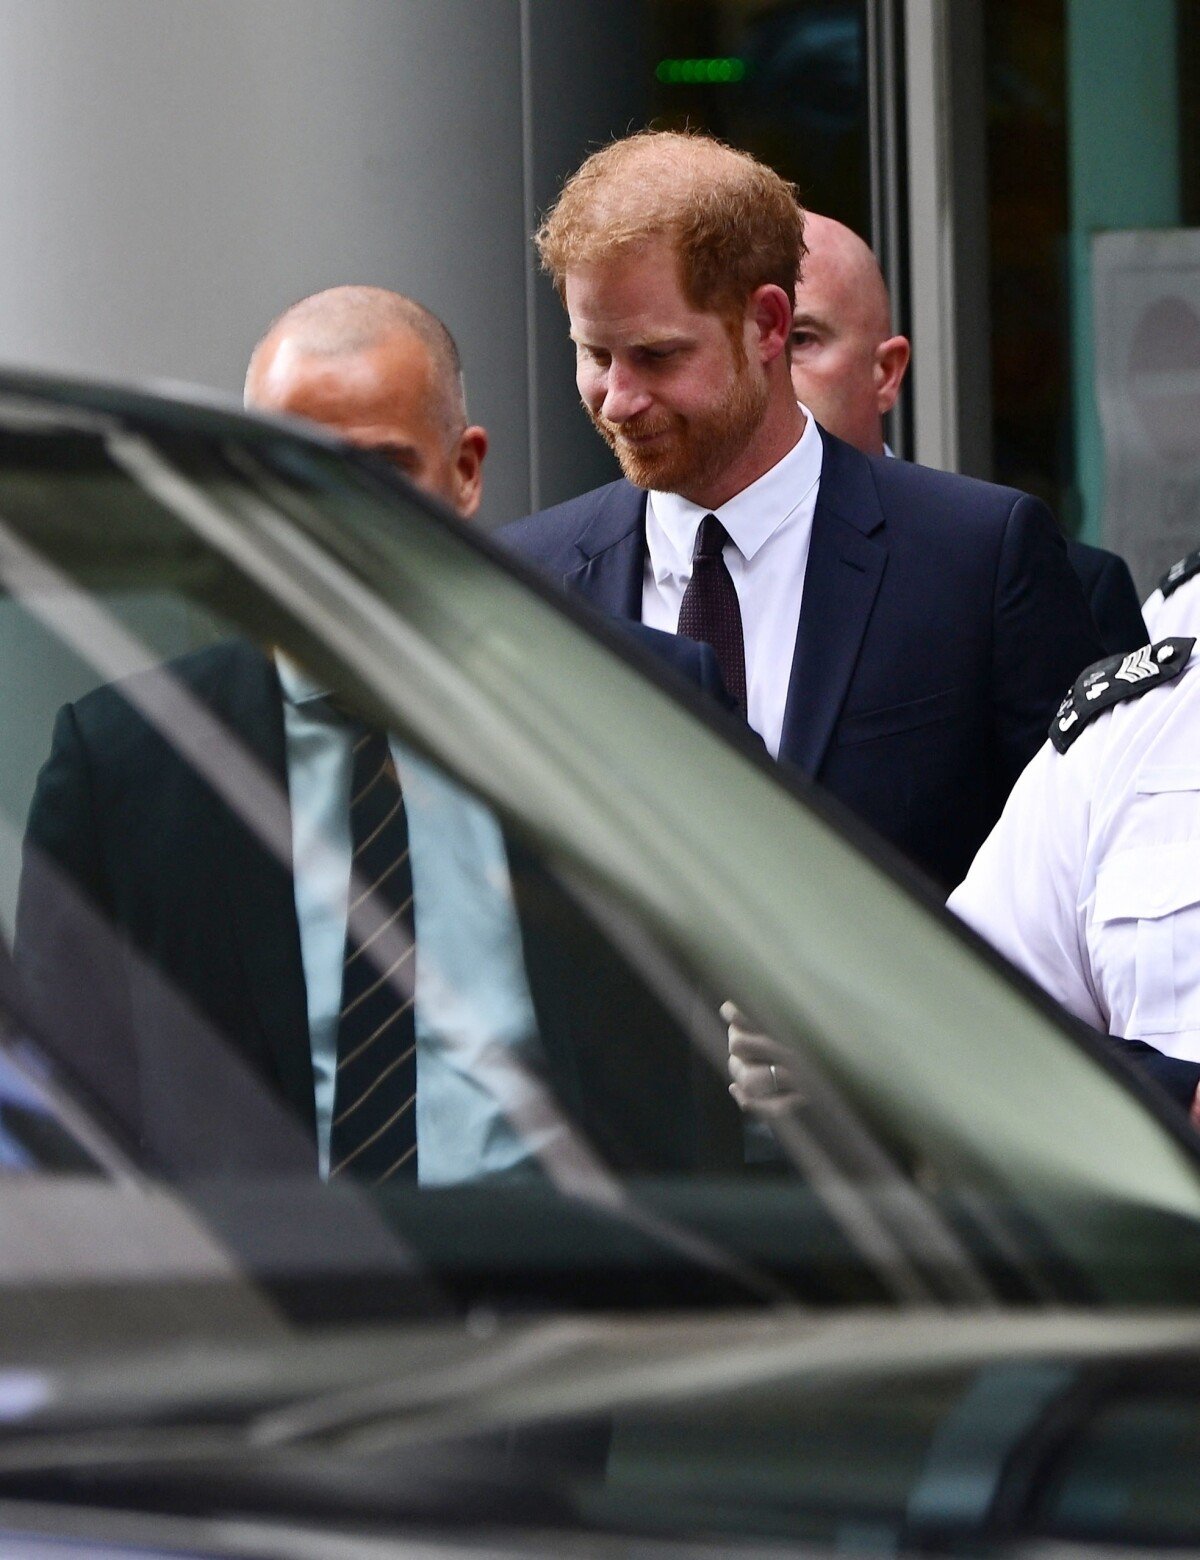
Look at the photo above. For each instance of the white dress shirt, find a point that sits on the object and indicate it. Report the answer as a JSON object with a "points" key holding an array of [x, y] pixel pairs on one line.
{"points": [[770, 526], [474, 1013], [1090, 881]]}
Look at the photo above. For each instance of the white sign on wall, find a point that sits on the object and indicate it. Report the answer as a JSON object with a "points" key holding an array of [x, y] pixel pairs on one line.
{"points": [[1146, 296]]}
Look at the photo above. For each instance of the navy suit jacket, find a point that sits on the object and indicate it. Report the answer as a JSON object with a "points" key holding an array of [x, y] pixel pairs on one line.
{"points": [[1110, 593], [940, 626]]}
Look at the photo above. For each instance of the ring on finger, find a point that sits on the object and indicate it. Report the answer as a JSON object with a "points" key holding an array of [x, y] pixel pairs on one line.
{"points": [[774, 1078]]}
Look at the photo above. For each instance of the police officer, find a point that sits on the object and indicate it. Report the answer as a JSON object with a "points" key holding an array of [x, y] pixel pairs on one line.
{"points": [[1090, 881]]}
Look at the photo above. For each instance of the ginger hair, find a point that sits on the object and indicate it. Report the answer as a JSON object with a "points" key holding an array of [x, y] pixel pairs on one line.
{"points": [[735, 224]]}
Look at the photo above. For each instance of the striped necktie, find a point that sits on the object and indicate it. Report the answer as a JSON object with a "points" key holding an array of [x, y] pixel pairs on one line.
{"points": [[374, 1135]]}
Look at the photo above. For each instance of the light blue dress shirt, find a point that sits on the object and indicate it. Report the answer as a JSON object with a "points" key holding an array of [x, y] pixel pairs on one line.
{"points": [[477, 1043]]}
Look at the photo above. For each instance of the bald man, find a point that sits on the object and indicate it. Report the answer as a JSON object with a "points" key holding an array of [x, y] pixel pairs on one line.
{"points": [[848, 366], [256, 942], [383, 373]]}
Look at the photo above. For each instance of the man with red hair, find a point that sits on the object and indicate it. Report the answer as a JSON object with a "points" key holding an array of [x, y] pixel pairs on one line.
{"points": [[902, 635]]}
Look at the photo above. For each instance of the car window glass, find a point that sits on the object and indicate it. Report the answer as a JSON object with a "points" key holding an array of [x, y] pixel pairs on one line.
{"points": [[171, 855], [207, 629], [1124, 1471], [156, 799], [34, 1136]]}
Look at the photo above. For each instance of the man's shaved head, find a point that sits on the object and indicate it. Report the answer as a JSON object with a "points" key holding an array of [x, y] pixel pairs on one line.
{"points": [[839, 262], [847, 366], [344, 321], [382, 372]]}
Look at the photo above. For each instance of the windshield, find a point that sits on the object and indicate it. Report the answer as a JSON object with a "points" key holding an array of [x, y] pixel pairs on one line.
{"points": [[235, 662]]}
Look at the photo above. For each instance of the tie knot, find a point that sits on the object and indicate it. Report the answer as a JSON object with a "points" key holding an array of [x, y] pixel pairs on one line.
{"points": [[710, 538]]}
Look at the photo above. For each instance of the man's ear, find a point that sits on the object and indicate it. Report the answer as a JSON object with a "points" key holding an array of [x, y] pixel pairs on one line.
{"points": [[891, 364], [769, 314], [468, 469]]}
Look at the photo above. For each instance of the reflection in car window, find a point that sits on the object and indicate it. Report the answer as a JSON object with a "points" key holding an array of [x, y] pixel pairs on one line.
{"points": [[33, 1136], [268, 720], [158, 898], [191, 876], [179, 804], [1124, 1466]]}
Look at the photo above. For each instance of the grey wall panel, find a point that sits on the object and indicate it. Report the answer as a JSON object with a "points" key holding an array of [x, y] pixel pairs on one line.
{"points": [[171, 175], [589, 82]]}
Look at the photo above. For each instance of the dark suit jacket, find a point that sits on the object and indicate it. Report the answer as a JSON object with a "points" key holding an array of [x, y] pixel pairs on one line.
{"points": [[1110, 594], [695, 663], [158, 938], [940, 626]]}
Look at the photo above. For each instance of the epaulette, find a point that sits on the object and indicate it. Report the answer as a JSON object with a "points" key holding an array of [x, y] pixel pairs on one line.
{"points": [[1115, 678], [1180, 572]]}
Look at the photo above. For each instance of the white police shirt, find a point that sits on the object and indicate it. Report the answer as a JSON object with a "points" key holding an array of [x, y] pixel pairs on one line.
{"points": [[1090, 881], [1174, 607]]}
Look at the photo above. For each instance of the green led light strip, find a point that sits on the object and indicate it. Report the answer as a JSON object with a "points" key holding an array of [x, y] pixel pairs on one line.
{"points": [[674, 73]]}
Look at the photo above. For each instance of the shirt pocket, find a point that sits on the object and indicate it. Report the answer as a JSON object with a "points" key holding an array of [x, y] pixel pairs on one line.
{"points": [[1146, 937], [894, 718]]}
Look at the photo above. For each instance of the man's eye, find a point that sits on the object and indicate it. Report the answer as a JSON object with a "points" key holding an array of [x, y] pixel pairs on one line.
{"points": [[801, 338]]}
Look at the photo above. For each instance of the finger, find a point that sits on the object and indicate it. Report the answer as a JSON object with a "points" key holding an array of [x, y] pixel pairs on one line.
{"points": [[738, 1024], [753, 1078], [760, 1048], [770, 1106], [762, 1083]]}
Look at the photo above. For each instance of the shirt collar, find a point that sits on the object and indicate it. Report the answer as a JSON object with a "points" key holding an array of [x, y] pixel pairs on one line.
{"points": [[297, 684], [751, 517]]}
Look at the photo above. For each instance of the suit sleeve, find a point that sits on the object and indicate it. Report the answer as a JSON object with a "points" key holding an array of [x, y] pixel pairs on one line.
{"points": [[1043, 635], [691, 658], [68, 955], [707, 673], [1116, 609], [1178, 1077]]}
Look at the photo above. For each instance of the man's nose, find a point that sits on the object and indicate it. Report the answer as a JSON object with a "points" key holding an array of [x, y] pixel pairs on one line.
{"points": [[625, 395]]}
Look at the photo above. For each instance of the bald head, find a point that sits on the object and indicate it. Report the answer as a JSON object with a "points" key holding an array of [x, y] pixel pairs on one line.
{"points": [[345, 321], [847, 366], [382, 372]]}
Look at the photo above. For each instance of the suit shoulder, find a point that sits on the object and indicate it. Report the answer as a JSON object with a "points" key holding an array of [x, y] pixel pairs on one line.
{"points": [[1089, 562], [208, 674], [548, 531], [964, 516], [904, 479], [1179, 573]]}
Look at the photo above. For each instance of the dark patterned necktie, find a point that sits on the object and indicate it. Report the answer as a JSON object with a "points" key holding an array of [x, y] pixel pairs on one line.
{"points": [[710, 610], [374, 1133]]}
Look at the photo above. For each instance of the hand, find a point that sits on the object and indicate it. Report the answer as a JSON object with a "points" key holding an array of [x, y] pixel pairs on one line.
{"points": [[1193, 1113], [760, 1068]]}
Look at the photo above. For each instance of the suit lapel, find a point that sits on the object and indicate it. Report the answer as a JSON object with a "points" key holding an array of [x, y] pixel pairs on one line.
{"points": [[845, 565], [260, 888], [613, 547]]}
